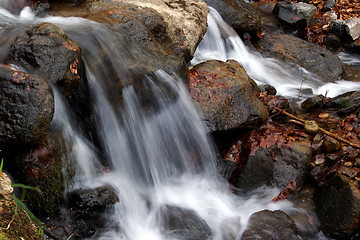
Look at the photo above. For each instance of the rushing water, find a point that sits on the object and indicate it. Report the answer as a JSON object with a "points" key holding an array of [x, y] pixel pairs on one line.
{"points": [[222, 42], [160, 156]]}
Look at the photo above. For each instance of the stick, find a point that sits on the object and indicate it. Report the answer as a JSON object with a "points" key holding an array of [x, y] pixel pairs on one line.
{"points": [[302, 121]]}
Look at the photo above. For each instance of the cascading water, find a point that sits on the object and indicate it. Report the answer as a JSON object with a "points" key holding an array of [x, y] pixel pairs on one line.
{"points": [[159, 155], [222, 42]]}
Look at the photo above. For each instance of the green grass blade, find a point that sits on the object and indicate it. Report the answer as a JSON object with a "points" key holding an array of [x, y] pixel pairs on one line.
{"points": [[1, 165], [20, 185], [31, 215]]}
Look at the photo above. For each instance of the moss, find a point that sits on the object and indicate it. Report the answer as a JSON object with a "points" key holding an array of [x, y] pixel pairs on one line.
{"points": [[15, 223]]}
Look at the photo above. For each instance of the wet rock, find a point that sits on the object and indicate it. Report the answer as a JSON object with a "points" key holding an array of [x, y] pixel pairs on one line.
{"points": [[344, 103], [331, 145], [46, 51], [352, 28], [295, 14], [313, 103], [311, 127], [226, 168], [26, 107], [176, 25], [184, 224], [338, 207], [275, 225], [14, 222], [270, 90], [93, 200], [41, 166], [226, 95], [332, 42], [238, 14], [312, 57], [337, 27], [329, 4], [275, 166]]}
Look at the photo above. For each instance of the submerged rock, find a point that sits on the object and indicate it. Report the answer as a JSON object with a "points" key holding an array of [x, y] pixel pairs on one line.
{"points": [[312, 57], [226, 95], [238, 14], [184, 224], [46, 51], [26, 107], [338, 207], [274, 225]]}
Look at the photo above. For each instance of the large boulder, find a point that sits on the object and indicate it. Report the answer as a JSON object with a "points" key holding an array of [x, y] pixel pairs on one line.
{"points": [[275, 163], [46, 51], [274, 225], [26, 107], [238, 14], [312, 57], [226, 95], [14, 221], [338, 207], [177, 25]]}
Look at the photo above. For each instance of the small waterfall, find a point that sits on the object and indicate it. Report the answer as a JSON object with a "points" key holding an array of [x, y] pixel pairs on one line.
{"points": [[221, 42], [158, 155]]}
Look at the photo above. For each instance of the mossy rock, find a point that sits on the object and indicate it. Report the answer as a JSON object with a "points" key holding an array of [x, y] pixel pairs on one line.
{"points": [[14, 221]]}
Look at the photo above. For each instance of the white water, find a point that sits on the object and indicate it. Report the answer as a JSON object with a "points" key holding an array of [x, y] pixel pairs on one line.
{"points": [[221, 42], [158, 158]]}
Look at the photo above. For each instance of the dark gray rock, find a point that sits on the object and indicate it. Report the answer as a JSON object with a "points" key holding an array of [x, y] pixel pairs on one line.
{"points": [[226, 95], [46, 51], [26, 107], [337, 27], [329, 5], [94, 200], [238, 14], [275, 166], [274, 225], [313, 103], [312, 57], [295, 14], [184, 224], [338, 207], [344, 103]]}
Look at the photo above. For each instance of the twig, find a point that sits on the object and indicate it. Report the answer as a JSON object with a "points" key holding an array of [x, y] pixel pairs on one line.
{"points": [[302, 121]]}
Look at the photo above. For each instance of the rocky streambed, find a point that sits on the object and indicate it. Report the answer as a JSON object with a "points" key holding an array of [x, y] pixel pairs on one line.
{"points": [[308, 149]]}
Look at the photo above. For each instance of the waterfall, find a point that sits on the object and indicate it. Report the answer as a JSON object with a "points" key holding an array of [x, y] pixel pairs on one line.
{"points": [[222, 42], [160, 154]]}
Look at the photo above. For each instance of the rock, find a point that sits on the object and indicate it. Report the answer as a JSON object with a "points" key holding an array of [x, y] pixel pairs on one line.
{"points": [[313, 103], [238, 14], [182, 223], [226, 95], [275, 166], [26, 107], [270, 90], [177, 25], [94, 200], [226, 168], [331, 145], [274, 225], [332, 42], [337, 27], [41, 166], [295, 14], [338, 207], [352, 28], [329, 4], [312, 57], [311, 127], [14, 221], [46, 51], [344, 103]]}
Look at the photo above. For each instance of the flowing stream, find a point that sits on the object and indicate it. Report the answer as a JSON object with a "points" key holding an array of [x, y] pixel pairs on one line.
{"points": [[159, 155]]}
